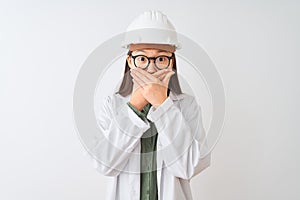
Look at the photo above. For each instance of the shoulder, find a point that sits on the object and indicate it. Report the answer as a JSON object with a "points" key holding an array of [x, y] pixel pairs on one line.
{"points": [[115, 100], [188, 97], [187, 103], [116, 97], [183, 98]]}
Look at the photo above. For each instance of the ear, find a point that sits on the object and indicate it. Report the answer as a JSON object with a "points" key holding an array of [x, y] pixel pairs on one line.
{"points": [[171, 64], [129, 61]]}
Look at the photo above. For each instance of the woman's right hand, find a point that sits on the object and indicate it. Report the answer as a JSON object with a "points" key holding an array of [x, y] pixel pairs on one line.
{"points": [[137, 99]]}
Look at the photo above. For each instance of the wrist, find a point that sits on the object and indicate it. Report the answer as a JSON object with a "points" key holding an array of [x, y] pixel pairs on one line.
{"points": [[137, 105], [160, 102]]}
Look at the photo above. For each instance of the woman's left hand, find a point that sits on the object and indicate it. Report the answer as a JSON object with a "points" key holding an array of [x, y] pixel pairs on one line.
{"points": [[153, 89]]}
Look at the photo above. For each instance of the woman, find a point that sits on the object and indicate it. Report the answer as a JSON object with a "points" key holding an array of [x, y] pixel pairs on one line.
{"points": [[155, 130]]}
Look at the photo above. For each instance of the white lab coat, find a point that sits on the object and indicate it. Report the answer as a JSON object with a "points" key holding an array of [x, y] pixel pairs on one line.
{"points": [[180, 137]]}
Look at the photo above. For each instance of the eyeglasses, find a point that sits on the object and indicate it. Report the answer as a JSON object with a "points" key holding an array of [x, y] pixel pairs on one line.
{"points": [[161, 62]]}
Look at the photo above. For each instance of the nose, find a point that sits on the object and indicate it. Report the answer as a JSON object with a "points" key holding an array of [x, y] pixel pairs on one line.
{"points": [[151, 68]]}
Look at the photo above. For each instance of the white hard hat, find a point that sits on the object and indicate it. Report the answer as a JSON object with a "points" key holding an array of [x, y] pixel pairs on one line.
{"points": [[152, 27]]}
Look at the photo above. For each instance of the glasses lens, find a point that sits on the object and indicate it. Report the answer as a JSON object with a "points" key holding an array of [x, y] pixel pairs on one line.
{"points": [[162, 62], [141, 61]]}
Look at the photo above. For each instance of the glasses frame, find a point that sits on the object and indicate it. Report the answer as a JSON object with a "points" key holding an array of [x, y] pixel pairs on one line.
{"points": [[152, 58]]}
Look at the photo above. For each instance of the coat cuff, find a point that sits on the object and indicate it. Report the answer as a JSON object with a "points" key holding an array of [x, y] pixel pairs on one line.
{"points": [[155, 113]]}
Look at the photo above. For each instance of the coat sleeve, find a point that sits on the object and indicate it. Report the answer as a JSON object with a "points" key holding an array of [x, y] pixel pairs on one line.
{"points": [[181, 136], [120, 131]]}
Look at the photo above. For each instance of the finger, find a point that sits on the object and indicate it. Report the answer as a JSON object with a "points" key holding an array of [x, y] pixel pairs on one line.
{"points": [[135, 85], [159, 73], [167, 77], [138, 79], [138, 85], [147, 75], [141, 76], [161, 77]]}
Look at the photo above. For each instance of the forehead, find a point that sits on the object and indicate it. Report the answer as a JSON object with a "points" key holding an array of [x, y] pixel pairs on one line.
{"points": [[151, 51]]}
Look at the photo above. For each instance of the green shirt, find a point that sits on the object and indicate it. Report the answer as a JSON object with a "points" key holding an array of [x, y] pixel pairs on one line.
{"points": [[148, 189]]}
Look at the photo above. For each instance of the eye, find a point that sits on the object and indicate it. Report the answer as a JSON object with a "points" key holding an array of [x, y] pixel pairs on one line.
{"points": [[161, 59], [141, 59]]}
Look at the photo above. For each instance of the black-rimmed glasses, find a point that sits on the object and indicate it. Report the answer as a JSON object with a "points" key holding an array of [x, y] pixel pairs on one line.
{"points": [[161, 62]]}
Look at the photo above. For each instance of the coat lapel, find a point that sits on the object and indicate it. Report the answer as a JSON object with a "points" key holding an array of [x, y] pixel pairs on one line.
{"points": [[134, 179]]}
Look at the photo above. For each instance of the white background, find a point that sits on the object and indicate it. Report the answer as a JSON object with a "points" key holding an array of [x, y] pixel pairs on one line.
{"points": [[254, 44]]}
